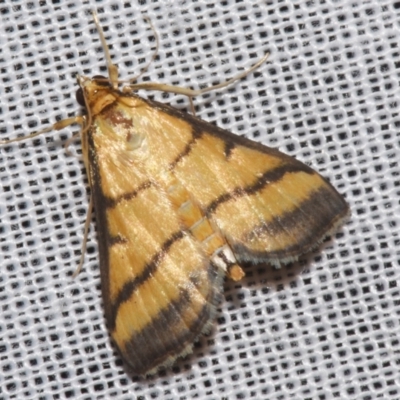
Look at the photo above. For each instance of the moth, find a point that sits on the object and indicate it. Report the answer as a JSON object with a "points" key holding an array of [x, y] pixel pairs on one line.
{"points": [[179, 205]]}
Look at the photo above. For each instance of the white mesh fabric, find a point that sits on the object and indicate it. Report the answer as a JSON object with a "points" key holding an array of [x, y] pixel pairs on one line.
{"points": [[324, 328]]}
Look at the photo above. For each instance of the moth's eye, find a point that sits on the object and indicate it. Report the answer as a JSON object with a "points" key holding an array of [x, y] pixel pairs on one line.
{"points": [[80, 98], [100, 80]]}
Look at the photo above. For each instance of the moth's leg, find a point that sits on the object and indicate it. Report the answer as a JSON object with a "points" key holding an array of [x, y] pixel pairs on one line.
{"points": [[55, 127], [85, 237], [69, 142], [190, 92], [58, 126], [192, 109], [113, 71]]}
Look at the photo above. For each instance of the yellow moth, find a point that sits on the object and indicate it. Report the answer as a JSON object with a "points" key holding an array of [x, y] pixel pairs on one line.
{"points": [[179, 205]]}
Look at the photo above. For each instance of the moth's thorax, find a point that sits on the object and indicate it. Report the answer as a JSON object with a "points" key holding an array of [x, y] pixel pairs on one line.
{"points": [[98, 94], [115, 126]]}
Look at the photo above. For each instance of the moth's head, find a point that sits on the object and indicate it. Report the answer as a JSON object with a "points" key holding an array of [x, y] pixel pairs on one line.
{"points": [[94, 93]]}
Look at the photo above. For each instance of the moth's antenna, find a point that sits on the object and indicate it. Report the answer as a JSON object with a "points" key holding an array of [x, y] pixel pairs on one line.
{"points": [[153, 57], [112, 68]]}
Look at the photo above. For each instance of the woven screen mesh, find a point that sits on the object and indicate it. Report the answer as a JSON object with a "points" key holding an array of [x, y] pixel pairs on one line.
{"points": [[326, 327]]}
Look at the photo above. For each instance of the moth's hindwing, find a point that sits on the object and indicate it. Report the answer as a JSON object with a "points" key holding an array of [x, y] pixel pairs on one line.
{"points": [[170, 192]]}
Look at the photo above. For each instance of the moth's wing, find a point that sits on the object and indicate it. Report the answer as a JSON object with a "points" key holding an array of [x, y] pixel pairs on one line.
{"points": [[269, 206], [159, 290]]}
